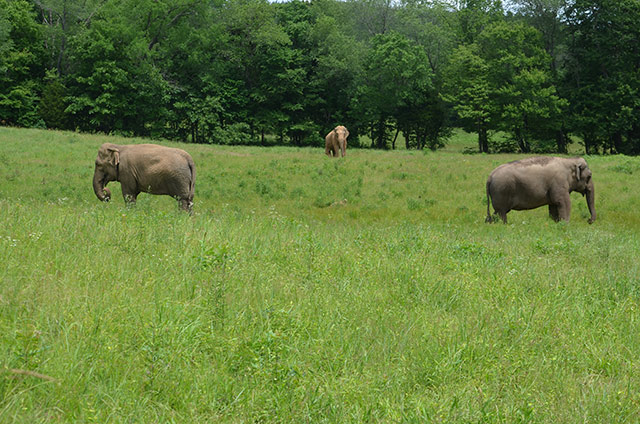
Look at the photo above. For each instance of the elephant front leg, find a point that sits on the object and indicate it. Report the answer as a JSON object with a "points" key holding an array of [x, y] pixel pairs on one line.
{"points": [[186, 205], [564, 209], [130, 198], [553, 212]]}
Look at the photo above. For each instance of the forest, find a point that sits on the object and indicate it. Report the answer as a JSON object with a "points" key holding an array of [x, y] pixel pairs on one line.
{"points": [[541, 74]]}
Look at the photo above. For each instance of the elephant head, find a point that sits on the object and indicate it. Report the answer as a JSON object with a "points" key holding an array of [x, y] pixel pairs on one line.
{"points": [[584, 184], [341, 136], [106, 170]]}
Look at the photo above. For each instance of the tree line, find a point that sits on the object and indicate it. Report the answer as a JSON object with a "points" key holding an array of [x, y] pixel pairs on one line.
{"points": [[254, 72]]}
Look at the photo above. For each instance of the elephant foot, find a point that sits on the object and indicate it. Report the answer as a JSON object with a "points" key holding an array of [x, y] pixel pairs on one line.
{"points": [[186, 205]]}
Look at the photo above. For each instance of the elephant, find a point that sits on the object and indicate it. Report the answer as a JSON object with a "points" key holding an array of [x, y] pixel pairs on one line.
{"points": [[336, 141], [538, 181], [148, 168]]}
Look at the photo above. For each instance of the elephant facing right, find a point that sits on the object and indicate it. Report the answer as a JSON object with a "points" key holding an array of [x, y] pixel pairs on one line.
{"points": [[538, 181]]}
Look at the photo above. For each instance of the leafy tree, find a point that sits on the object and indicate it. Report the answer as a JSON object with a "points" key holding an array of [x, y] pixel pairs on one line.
{"points": [[474, 16], [113, 90], [301, 95], [336, 65], [397, 78], [373, 17], [21, 53], [423, 117], [433, 28], [546, 16], [468, 89], [52, 102], [521, 86], [259, 53], [201, 90], [602, 73], [117, 84], [61, 21], [503, 82]]}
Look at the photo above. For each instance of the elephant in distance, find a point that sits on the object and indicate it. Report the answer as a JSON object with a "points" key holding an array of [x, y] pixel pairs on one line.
{"points": [[336, 142]]}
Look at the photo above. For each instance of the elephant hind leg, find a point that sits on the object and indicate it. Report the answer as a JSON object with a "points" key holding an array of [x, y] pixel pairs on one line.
{"points": [[503, 215]]}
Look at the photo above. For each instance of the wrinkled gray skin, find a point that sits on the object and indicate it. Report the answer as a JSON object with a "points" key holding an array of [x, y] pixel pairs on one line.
{"points": [[538, 181], [145, 168], [336, 142]]}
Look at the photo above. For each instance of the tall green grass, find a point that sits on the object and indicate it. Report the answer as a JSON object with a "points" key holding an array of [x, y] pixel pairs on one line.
{"points": [[308, 289]]}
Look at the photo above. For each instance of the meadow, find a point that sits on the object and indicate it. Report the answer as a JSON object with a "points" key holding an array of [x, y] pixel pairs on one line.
{"points": [[310, 289]]}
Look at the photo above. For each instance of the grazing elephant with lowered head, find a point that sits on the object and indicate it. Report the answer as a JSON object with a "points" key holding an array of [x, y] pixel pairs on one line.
{"points": [[145, 168], [538, 181], [336, 142]]}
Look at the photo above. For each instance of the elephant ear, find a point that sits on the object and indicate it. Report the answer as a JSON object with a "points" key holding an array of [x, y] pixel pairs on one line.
{"points": [[346, 133], [580, 168], [114, 155]]}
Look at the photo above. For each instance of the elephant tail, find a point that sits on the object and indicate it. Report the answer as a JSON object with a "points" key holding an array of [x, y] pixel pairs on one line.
{"points": [[488, 219], [192, 186]]}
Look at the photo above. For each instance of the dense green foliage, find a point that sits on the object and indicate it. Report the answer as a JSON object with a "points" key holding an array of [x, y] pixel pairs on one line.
{"points": [[254, 72], [307, 289]]}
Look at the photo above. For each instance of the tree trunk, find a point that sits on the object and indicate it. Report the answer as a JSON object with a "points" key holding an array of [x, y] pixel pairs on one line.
{"points": [[617, 143], [561, 141], [381, 144], [395, 137], [372, 135], [522, 143], [483, 139], [587, 144]]}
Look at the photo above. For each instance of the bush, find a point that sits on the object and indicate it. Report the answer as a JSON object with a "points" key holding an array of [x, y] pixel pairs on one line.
{"points": [[52, 103], [239, 133]]}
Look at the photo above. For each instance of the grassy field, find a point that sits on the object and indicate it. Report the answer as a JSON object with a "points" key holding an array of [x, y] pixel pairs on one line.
{"points": [[306, 289]]}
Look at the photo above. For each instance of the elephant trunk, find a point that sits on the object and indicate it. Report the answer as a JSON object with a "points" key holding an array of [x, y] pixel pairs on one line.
{"points": [[102, 193], [590, 194]]}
